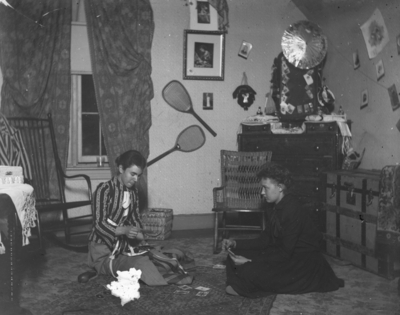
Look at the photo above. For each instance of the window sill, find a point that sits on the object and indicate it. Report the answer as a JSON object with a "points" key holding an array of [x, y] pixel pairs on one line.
{"points": [[93, 172]]}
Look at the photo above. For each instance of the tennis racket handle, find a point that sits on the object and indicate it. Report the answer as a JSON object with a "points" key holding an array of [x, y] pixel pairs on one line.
{"points": [[205, 124], [161, 156]]}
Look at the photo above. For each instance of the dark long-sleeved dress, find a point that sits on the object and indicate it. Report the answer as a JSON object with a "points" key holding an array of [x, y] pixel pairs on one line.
{"points": [[286, 258]]}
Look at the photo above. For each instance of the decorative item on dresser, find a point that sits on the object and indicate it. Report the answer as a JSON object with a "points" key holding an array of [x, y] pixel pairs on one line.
{"points": [[306, 155]]}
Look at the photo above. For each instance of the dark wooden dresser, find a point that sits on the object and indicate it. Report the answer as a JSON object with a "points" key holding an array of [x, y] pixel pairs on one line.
{"points": [[306, 155]]}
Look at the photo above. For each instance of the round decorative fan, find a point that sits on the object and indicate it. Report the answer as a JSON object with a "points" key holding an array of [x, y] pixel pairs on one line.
{"points": [[304, 44]]}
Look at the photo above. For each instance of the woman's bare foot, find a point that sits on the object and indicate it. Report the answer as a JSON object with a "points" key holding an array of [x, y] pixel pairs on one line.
{"points": [[230, 290]]}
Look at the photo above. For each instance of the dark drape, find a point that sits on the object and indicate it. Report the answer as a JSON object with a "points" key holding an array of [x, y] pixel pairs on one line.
{"points": [[120, 37], [35, 41]]}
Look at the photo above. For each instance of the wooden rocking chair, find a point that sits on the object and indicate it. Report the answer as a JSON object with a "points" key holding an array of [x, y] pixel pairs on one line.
{"points": [[53, 209], [240, 191]]}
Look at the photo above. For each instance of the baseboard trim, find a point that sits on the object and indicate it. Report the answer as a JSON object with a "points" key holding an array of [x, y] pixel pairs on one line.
{"points": [[193, 221]]}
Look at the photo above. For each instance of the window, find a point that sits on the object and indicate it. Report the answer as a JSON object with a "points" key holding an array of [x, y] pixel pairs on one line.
{"points": [[87, 142]]}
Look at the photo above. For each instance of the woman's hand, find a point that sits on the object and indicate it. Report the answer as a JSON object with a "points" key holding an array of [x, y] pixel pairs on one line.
{"points": [[228, 243], [130, 231], [140, 236], [239, 260]]}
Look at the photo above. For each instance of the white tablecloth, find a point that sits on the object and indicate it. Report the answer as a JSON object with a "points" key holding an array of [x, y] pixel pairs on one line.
{"points": [[24, 202]]}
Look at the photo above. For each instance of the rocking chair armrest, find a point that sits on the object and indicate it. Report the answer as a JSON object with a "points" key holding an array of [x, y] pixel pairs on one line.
{"points": [[87, 179]]}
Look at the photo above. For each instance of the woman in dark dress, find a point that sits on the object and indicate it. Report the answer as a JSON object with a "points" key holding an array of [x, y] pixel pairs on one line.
{"points": [[285, 258]]}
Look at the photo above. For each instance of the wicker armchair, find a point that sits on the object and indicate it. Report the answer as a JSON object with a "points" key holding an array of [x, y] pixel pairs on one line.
{"points": [[240, 191]]}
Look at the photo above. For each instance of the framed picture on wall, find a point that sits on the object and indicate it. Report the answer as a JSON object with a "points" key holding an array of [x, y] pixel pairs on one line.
{"points": [[244, 50], [364, 99], [356, 60], [380, 70], [203, 55], [203, 16]]}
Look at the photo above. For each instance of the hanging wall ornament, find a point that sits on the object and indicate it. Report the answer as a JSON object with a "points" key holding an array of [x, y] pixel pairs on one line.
{"points": [[304, 45], [326, 99], [244, 93]]}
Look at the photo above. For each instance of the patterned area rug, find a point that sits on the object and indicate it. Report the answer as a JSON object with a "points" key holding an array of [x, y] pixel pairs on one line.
{"points": [[51, 288], [49, 283], [94, 298]]}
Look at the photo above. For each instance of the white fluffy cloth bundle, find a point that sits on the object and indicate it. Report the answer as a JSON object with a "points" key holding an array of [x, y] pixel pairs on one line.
{"points": [[127, 286]]}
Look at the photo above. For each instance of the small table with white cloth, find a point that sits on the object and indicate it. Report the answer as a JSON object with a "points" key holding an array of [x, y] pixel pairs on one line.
{"points": [[17, 217]]}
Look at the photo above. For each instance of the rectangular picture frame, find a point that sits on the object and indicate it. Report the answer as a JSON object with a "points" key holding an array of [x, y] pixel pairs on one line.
{"points": [[364, 99], [380, 70], [203, 55], [245, 49], [203, 16]]}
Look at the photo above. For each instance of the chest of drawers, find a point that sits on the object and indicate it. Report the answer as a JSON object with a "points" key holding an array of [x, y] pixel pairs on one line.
{"points": [[306, 155]]}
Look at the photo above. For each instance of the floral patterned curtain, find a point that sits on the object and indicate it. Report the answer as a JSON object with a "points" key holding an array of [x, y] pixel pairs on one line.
{"points": [[35, 41], [120, 37]]}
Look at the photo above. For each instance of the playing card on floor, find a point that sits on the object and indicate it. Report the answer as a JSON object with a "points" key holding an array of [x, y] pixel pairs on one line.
{"points": [[202, 294], [202, 288]]}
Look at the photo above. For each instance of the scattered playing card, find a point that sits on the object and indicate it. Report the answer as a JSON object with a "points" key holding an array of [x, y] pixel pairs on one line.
{"points": [[185, 287], [202, 288], [219, 266], [183, 292], [203, 294]]}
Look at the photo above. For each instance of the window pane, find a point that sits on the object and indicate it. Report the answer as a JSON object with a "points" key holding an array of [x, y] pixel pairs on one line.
{"points": [[103, 146], [89, 104], [90, 135]]}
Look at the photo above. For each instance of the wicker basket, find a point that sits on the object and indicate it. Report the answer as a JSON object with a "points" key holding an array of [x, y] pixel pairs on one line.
{"points": [[158, 223], [11, 175]]}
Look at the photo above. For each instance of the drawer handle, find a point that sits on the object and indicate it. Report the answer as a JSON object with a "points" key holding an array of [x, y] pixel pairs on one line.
{"points": [[317, 169], [370, 197], [350, 188], [333, 192], [330, 127], [316, 148], [316, 188]]}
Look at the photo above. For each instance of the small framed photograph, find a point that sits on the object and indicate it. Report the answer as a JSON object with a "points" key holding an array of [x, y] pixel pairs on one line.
{"points": [[203, 16], [364, 99], [356, 60], [203, 55], [208, 102], [394, 97], [380, 70], [245, 49]]}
